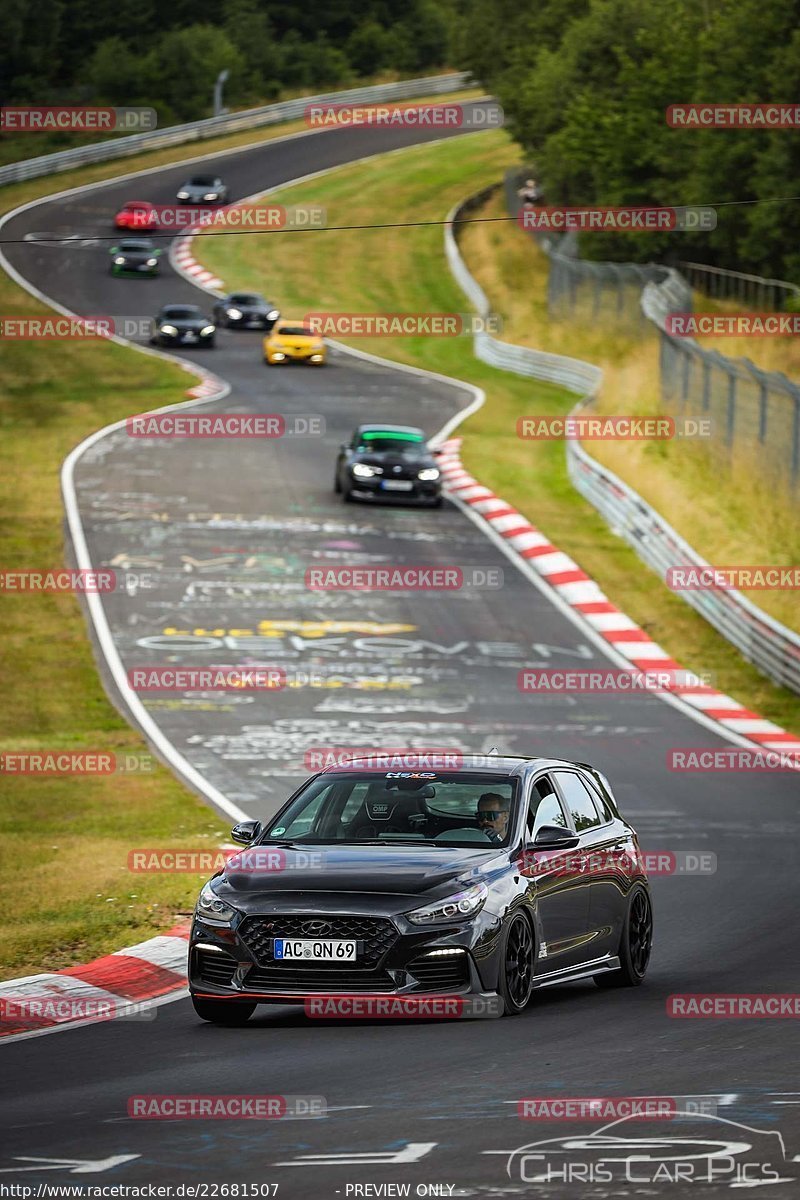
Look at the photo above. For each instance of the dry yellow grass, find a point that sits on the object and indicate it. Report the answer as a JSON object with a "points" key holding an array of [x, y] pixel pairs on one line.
{"points": [[731, 515]]}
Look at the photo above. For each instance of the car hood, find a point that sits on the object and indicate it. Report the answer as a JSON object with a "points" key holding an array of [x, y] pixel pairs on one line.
{"points": [[185, 323], [197, 193], [294, 339], [393, 458], [343, 873]]}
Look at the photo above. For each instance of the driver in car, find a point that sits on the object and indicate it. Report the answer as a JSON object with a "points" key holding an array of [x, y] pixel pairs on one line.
{"points": [[492, 815]]}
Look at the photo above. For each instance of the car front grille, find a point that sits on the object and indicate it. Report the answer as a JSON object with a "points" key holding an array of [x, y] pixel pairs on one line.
{"points": [[321, 978], [375, 936], [217, 969], [439, 973]]}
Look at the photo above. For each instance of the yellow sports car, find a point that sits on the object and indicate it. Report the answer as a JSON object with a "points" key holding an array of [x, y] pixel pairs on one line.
{"points": [[289, 341]]}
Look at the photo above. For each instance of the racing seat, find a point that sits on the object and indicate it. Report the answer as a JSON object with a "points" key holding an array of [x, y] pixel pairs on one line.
{"points": [[400, 807]]}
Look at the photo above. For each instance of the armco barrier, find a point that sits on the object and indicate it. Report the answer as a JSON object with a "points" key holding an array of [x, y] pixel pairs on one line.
{"points": [[251, 118], [770, 646]]}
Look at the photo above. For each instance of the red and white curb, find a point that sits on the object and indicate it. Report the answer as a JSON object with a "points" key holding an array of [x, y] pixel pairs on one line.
{"points": [[117, 985], [184, 261], [209, 385], [587, 600]]}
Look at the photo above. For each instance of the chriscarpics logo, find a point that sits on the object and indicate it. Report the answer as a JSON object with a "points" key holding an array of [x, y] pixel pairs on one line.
{"points": [[685, 1149]]}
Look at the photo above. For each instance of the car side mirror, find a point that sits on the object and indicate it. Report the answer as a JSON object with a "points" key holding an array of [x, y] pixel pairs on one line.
{"points": [[114, 250], [246, 832], [555, 837]]}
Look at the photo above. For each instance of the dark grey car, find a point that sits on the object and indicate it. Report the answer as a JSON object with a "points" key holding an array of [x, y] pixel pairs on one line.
{"points": [[182, 325], [245, 310], [486, 879], [203, 189]]}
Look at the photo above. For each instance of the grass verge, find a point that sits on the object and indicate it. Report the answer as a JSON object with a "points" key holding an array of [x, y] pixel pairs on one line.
{"points": [[392, 270]]}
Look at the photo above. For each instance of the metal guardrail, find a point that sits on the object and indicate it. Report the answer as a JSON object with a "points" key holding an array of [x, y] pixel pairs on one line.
{"points": [[754, 291], [753, 412], [762, 640], [251, 118]]}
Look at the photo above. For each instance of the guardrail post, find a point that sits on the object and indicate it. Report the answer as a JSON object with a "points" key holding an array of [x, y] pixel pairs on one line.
{"points": [[731, 407]]}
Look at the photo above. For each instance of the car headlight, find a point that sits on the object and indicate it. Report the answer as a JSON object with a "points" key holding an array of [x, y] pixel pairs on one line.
{"points": [[119, 261], [364, 471], [207, 330], [183, 195], [278, 355], [429, 474], [234, 313], [211, 196], [463, 904], [170, 329], [273, 314], [152, 262], [211, 908]]}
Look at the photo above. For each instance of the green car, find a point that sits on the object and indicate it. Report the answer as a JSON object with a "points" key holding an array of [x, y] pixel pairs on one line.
{"points": [[135, 256]]}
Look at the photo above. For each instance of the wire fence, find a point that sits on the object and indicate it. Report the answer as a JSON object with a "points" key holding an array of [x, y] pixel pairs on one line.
{"points": [[771, 646], [753, 415]]}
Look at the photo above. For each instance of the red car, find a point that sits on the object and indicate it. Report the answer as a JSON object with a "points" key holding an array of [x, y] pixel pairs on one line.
{"points": [[136, 214]]}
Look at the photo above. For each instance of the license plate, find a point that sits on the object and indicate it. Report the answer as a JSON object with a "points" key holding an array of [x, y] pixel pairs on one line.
{"points": [[397, 485], [189, 337], [253, 322], [315, 949]]}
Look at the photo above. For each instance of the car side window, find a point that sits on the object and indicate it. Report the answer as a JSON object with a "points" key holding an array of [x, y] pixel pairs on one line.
{"points": [[545, 807], [600, 800], [580, 804]]}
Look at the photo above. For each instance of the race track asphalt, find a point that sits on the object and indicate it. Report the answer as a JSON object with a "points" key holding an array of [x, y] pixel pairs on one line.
{"points": [[219, 535]]}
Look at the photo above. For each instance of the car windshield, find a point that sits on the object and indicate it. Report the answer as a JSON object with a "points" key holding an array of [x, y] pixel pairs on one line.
{"points": [[140, 245], [433, 808], [180, 314], [136, 205], [296, 331], [388, 440], [242, 299], [202, 181]]}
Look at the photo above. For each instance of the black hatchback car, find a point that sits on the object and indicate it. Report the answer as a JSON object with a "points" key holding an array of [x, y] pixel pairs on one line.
{"points": [[245, 310], [490, 879], [388, 462], [135, 256], [182, 325]]}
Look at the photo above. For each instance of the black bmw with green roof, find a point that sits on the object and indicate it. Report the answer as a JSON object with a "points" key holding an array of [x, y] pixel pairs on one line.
{"points": [[390, 463]]}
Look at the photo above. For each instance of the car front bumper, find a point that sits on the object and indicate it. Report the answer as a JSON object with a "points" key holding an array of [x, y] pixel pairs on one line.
{"points": [[397, 959]]}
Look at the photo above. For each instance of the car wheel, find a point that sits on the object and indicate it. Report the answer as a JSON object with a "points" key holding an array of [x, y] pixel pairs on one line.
{"points": [[337, 487], [635, 944], [516, 966], [222, 1012], [437, 503], [347, 495]]}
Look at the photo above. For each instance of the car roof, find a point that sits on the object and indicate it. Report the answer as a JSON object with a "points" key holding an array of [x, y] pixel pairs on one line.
{"points": [[495, 764], [172, 307], [141, 203], [387, 428], [139, 243]]}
